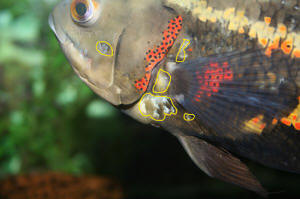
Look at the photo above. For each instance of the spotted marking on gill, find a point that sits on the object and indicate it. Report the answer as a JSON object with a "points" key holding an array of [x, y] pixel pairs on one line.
{"points": [[155, 55]]}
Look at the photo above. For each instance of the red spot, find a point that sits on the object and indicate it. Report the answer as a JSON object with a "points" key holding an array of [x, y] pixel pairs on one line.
{"points": [[286, 121], [255, 120], [155, 55], [211, 77], [297, 125], [262, 126]]}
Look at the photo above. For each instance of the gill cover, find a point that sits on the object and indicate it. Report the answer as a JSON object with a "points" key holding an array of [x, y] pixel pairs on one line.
{"points": [[106, 42]]}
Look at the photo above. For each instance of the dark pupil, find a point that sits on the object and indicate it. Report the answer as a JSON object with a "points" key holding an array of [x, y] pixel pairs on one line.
{"points": [[81, 9]]}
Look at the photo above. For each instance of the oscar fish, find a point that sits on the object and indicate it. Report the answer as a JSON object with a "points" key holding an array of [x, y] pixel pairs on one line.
{"points": [[221, 76]]}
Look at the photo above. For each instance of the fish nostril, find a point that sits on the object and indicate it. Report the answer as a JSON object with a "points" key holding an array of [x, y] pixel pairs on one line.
{"points": [[104, 48]]}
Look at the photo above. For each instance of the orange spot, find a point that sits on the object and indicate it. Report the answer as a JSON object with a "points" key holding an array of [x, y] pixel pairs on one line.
{"points": [[96, 5], [286, 46], [255, 120], [297, 125], [190, 50], [263, 42], [241, 30], [296, 53], [273, 46], [274, 121], [286, 121], [268, 20], [282, 29], [262, 126], [213, 19], [252, 33]]}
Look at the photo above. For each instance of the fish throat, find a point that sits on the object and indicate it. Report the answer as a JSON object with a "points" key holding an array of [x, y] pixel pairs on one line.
{"points": [[155, 55]]}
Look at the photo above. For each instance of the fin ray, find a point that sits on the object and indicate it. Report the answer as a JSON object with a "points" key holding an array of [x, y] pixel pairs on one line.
{"points": [[219, 163]]}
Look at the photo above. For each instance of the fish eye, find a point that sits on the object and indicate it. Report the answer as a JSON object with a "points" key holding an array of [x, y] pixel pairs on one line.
{"points": [[83, 11]]}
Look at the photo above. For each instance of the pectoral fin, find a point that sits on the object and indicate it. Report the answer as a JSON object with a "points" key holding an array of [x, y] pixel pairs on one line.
{"points": [[219, 163]]}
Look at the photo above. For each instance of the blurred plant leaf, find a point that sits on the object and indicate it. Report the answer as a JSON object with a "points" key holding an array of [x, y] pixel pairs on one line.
{"points": [[67, 95], [100, 109], [25, 29]]}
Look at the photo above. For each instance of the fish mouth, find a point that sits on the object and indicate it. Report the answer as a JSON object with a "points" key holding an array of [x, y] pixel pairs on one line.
{"points": [[64, 39], [60, 37]]}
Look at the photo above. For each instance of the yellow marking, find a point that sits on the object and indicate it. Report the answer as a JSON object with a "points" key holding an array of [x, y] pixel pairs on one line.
{"points": [[157, 79], [182, 48], [252, 33], [241, 30], [256, 124], [240, 13], [293, 118], [236, 19], [111, 48], [165, 114], [203, 18], [213, 19], [188, 117], [282, 30], [229, 13], [233, 25], [270, 30], [296, 53]]}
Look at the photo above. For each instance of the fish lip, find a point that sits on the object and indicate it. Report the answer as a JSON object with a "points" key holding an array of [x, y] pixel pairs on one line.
{"points": [[64, 38], [51, 23], [52, 26]]}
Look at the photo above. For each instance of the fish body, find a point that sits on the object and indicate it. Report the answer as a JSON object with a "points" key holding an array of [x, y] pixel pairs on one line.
{"points": [[222, 76]]}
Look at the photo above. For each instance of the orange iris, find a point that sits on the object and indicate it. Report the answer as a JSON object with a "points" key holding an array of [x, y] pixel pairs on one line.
{"points": [[82, 10]]}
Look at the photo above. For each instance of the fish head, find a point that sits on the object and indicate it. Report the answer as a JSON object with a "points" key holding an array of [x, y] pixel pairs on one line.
{"points": [[105, 42]]}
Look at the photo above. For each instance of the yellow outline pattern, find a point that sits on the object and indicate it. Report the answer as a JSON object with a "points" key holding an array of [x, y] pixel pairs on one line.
{"points": [[183, 49], [163, 71], [105, 42], [188, 114], [165, 114]]}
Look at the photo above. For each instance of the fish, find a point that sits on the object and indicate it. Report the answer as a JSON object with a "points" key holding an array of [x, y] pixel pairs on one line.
{"points": [[221, 76]]}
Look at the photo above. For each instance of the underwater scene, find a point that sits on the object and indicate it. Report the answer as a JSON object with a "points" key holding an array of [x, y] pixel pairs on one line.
{"points": [[152, 99]]}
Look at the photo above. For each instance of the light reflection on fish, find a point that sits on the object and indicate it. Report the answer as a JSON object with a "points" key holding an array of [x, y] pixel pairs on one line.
{"points": [[222, 76]]}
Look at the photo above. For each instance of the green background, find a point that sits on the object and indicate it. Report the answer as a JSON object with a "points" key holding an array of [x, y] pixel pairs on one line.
{"points": [[51, 121]]}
